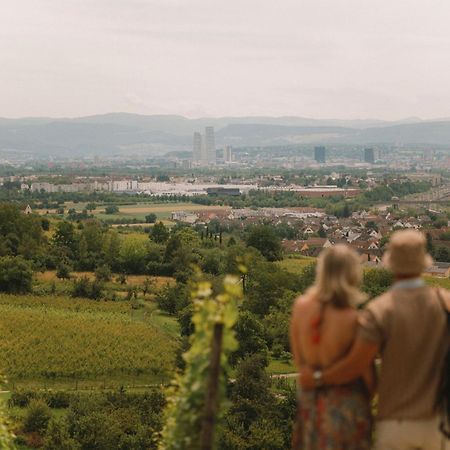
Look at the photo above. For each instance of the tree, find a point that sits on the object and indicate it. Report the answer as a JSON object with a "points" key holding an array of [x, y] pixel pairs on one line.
{"points": [[15, 275], [91, 206], [65, 239], [112, 209], [251, 336], [264, 239], [150, 218], [159, 233], [132, 255], [254, 419], [172, 299], [111, 249]]}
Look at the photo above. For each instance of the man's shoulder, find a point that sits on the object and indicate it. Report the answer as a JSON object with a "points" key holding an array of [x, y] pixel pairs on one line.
{"points": [[383, 301]]}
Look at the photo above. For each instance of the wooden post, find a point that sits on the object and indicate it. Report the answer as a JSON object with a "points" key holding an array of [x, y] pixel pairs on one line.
{"points": [[212, 393]]}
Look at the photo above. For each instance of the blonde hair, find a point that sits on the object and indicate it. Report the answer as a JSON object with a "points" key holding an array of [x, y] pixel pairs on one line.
{"points": [[338, 276]]}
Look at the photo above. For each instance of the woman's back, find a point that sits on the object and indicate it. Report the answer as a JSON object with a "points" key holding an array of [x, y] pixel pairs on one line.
{"points": [[335, 333], [323, 329]]}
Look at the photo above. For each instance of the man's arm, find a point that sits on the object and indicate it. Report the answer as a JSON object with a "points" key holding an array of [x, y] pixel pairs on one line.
{"points": [[349, 368], [294, 336]]}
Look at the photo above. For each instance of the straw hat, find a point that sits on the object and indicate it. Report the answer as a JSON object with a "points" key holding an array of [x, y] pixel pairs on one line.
{"points": [[407, 254]]}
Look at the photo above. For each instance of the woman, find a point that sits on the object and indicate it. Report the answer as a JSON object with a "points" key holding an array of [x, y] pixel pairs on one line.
{"points": [[323, 328]]}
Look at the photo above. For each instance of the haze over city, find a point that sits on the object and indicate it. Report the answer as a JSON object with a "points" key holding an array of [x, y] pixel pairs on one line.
{"points": [[320, 59]]}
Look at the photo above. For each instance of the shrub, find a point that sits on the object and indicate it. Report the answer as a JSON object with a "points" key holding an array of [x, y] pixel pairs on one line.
{"points": [[113, 209], [63, 271], [58, 437], [84, 288], [37, 417], [15, 275], [103, 273]]}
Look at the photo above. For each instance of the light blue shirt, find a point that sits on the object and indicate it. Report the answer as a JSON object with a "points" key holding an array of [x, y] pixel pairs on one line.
{"points": [[410, 283]]}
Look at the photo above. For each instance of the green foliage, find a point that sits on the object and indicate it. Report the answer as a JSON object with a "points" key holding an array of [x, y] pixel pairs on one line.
{"points": [[256, 419], [6, 437], [132, 255], [264, 239], [84, 288], [37, 417], [186, 402], [307, 276], [58, 436], [112, 209], [267, 283], [103, 273], [51, 338], [159, 233], [63, 271], [251, 336], [15, 275], [173, 298], [150, 218], [376, 281], [441, 253], [20, 234]]}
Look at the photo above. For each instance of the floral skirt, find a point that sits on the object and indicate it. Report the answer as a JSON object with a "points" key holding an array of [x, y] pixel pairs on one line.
{"points": [[334, 418]]}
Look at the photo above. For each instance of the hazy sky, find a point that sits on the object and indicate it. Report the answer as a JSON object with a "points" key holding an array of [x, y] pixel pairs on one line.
{"points": [[314, 58]]}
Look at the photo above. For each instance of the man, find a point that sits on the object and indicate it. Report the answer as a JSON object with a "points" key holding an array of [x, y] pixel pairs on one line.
{"points": [[407, 326]]}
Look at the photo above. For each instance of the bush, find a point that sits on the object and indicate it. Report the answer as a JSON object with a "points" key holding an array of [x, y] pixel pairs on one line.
{"points": [[84, 288], [21, 399], [58, 437], [150, 218], [159, 269], [15, 275], [37, 417], [63, 271], [103, 273], [113, 209]]}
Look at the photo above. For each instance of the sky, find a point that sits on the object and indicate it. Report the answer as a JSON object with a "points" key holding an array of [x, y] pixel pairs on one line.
{"points": [[344, 59]]}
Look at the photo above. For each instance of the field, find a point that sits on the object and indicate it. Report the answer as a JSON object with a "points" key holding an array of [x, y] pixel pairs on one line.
{"points": [[140, 210], [63, 342], [49, 276], [296, 264]]}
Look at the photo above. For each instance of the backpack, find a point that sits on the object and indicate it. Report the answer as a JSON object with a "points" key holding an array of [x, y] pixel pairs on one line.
{"points": [[443, 395]]}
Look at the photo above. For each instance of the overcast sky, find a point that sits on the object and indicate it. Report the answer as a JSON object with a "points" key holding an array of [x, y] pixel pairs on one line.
{"points": [[385, 59]]}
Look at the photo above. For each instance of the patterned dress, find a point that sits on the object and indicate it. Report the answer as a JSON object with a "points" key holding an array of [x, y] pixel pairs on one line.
{"points": [[334, 418]]}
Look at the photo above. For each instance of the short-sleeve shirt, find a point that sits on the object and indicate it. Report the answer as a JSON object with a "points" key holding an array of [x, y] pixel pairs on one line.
{"points": [[411, 329]]}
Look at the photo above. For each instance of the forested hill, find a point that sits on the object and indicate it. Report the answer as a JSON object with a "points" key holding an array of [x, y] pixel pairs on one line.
{"points": [[130, 133]]}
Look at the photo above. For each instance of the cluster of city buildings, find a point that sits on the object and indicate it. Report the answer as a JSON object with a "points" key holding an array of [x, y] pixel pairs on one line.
{"points": [[204, 151], [370, 155], [143, 187]]}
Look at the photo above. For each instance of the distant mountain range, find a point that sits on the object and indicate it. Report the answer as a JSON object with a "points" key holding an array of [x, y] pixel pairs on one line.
{"points": [[122, 133]]}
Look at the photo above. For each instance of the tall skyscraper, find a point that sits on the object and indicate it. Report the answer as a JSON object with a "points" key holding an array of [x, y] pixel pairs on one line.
{"points": [[228, 154], [197, 149], [369, 155], [320, 154], [210, 146]]}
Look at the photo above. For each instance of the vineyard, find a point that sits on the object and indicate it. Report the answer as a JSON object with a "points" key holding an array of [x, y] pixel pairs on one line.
{"points": [[53, 339]]}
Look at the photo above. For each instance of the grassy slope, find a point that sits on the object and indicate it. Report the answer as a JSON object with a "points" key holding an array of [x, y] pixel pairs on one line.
{"points": [[54, 341]]}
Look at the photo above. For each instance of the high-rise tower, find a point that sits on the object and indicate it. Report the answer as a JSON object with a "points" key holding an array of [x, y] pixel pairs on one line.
{"points": [[319, 154], [210, 146], [369, 155], [197, 147]]}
